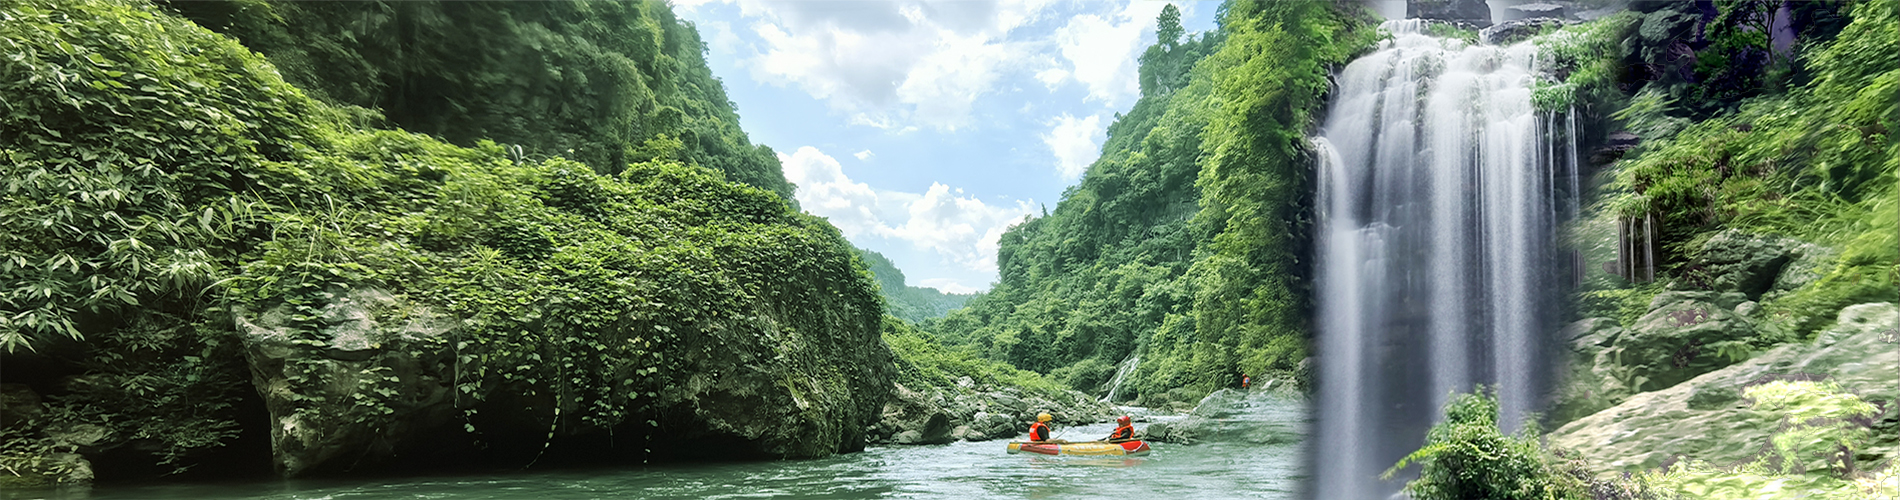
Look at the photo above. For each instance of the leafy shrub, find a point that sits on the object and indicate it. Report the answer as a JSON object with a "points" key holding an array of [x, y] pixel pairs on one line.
{"points": [[1466, 457]]}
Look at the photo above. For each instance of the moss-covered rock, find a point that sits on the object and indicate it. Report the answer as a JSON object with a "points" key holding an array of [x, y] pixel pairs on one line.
{"points": [[1685, 334], [1707, 419]]}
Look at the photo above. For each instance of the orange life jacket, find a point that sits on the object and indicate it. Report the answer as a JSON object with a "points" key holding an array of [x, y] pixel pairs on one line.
{"points": [[1038, 432], [1123, 432]]}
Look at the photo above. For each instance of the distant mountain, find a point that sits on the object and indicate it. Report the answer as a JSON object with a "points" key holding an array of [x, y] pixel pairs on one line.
{"points": [[912, 303]]}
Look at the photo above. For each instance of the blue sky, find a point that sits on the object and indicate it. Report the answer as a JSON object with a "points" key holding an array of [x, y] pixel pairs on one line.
{"points": [[924, 129]]}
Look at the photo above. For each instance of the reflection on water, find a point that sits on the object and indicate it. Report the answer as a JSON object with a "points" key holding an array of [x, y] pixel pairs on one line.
{"points": [[1239, 469]]}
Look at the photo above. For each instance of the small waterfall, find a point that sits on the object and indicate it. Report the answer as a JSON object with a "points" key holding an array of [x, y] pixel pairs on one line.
{"points": [[1437, 199], [1121, 374]]}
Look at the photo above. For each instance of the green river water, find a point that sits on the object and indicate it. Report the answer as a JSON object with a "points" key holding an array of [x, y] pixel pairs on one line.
{"points": [[1260, 457]]}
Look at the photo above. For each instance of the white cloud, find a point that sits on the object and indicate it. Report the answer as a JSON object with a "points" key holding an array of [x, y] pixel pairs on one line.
{"points": [[957, 227], [948, 285], [1102, 50], [824, 191], [887, 64], [864, 155], [1076, 143]]}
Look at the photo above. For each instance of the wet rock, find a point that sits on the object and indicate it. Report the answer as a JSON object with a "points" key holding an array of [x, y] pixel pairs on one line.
{"points": [[1705, 417], [1473, 12], [1509, 32]]}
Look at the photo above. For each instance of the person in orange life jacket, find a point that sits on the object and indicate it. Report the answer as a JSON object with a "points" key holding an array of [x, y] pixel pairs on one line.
{"points": [[1126, 430], [1039, 431], [1245, 381]]}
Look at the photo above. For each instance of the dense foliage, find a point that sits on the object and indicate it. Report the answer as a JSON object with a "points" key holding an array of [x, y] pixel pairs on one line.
{"points": [[910, 303], [923, 362], [164, 186], [1815, 162], [1466, 457], [1183, 244], [604, 83]]}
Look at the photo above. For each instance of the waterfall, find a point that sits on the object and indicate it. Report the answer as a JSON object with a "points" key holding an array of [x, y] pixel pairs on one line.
{"points": [[1437, 192], [1121, 374]]}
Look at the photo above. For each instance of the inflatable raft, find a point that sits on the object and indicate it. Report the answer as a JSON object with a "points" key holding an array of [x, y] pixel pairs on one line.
{"points": [[1091, 448]]}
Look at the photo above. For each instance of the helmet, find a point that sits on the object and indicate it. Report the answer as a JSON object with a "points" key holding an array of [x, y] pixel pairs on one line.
{"points": [[1122, 420], [1043, 417]]}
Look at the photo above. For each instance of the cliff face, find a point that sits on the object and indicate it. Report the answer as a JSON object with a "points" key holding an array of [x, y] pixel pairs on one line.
{"points": [[232, 267]]}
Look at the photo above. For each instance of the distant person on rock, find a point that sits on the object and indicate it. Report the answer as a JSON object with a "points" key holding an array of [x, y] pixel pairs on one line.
{"points": [[1245, 381], [1039, 431], [1125, 432]]}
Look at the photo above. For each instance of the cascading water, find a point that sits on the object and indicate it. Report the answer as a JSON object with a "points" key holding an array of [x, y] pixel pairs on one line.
{"points": [[1115, 384], [1438, 191]]}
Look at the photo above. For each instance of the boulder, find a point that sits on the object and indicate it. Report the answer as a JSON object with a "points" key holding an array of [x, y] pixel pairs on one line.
{"points": [[1684, 335], [913, 418], [1706, 418], [1469, 12], [1738, 261], [1509, 32], [1808, 262]]}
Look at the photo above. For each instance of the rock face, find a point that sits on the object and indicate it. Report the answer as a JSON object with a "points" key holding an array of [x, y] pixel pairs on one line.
{"points": [[1706, 419], [321, 397], [1472, 12], [371, 378]]}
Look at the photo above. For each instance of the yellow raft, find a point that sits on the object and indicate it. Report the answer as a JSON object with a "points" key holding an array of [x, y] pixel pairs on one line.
{"points": [[1090, 448]]}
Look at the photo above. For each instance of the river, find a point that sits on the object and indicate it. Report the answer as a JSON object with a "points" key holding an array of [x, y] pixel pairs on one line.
{"points": [[1263, 461]]}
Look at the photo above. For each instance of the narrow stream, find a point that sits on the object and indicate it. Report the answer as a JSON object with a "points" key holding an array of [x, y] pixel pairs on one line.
{"points": [[1265, 463]]}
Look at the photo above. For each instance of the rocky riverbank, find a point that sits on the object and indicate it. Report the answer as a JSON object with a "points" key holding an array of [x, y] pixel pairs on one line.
{"points": [[970, 411]]}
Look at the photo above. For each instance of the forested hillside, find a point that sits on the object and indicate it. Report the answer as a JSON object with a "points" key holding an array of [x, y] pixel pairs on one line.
{"points": [[208, 270], [912, 303], [1185, 242], [602, 83]]}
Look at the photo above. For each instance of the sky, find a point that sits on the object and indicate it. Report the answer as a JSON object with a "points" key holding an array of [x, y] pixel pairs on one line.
{"points": [[923, 130]]}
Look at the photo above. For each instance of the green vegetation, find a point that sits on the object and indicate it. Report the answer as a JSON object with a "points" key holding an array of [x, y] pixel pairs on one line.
{"points": [[164, 185], [1183, 242], [923, 362], [911, 303], [1816, 163], [600, 82], [1467, 457]]}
